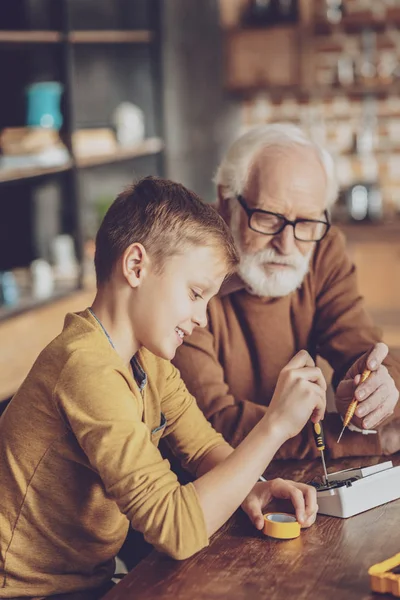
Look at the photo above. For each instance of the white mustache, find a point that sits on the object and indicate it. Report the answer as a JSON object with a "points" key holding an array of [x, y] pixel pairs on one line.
{"points": [[269, 255]]}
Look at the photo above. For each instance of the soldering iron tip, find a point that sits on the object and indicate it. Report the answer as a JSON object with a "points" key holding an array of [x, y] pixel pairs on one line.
{"points": [[341, 433]]}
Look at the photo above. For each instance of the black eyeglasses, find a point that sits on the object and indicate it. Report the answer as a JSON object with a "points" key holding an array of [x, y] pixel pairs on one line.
{"points": [[269, 223]]}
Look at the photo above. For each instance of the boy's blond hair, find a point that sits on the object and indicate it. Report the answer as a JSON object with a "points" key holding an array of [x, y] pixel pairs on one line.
{"points": [[166, 218]]}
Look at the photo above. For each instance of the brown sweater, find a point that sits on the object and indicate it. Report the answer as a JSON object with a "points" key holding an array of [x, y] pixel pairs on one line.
{"points": [[79, 462], [232, 366]]}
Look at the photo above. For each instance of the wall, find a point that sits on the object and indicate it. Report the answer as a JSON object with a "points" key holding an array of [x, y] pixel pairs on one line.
{"points": [[200, 118]]}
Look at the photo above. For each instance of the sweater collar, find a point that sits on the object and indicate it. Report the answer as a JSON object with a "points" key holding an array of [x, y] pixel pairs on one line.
{"points": [[233, 284]]}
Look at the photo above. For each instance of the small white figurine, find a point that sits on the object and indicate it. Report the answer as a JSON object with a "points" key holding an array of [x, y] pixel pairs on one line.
{"points": [[128, 120]]}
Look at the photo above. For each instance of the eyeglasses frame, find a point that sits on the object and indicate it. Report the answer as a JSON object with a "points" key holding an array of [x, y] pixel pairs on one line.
{"points": [[251, 211]]}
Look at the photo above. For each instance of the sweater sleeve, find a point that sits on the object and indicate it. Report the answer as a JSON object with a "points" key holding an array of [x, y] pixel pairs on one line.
{"points": [[106, 419], [342, 327], [189, 434]]}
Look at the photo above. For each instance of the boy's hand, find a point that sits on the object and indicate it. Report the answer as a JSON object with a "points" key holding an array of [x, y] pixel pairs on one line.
{"points": [[300, 393], [377, 396], [302, 496]]}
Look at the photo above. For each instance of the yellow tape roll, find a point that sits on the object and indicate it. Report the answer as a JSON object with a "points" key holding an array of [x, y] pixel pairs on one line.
{"points": [[281, 526]]}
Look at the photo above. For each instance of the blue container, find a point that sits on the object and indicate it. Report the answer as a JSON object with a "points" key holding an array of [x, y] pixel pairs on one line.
{"points": [[9, 288], [44, 101]]}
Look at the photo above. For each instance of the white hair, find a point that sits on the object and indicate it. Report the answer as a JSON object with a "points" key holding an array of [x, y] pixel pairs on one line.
{"points": [[234, 169]]}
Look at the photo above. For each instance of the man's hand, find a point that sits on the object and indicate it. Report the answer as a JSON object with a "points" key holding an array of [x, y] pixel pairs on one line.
{"points": [[377, 396], [302, 496]]}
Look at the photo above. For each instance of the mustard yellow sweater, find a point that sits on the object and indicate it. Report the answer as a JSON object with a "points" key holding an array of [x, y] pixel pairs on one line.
{"points": [[79, 461]]}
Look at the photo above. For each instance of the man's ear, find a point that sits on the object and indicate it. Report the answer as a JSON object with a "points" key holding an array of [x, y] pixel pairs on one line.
{"points": [[223, 204], [135, 261]]}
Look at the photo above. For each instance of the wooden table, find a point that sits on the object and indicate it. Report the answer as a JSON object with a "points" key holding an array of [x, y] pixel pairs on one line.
{"points": [[329, 561]]}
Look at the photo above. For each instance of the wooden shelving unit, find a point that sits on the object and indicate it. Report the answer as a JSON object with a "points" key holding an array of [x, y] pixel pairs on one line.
{"points": [[355, 23], [31, 37], [78, 37], [111, 37], [147, 147], [299, 91], [8, 175], [253, 65], [131, 70]]}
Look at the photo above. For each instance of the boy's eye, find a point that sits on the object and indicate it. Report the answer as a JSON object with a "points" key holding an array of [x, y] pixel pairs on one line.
{"points": [[196, 295]]}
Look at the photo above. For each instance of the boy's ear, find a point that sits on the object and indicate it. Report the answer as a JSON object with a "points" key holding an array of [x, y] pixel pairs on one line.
{"points": [[134, 264]]}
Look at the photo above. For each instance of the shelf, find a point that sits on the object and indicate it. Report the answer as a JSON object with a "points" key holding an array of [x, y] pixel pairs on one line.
{"points": [[7, 175], [140, 36], [23, 337], [356, 91], [30, 37], [356, 23], [111, 37], [363, 90], [147, 147]]}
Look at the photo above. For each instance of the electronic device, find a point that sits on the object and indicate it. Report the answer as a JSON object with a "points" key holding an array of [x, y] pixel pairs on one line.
{"points": [[354, 491]]}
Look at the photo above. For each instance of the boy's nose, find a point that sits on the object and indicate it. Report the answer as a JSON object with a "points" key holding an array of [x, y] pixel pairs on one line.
{"points": [[200, 319]]}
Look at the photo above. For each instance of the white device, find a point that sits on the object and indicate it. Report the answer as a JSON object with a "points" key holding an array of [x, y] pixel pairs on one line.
{"points": [[354, 491]]}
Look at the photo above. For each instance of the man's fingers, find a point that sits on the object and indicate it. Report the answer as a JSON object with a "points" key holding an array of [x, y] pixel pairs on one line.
{"points": [[373, 401], [376, 356], [377, 416], [373, 382], [378, 424], [346, 389]]}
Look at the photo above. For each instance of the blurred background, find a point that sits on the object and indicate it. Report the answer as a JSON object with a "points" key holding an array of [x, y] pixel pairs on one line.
{"points": [[97, 92]]}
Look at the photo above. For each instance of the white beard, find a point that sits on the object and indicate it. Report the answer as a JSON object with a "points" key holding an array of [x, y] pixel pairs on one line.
{"points": [[276, 284]]}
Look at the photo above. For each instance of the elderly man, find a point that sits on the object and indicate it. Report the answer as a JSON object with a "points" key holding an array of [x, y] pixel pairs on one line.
{"points": [[296, 289]]}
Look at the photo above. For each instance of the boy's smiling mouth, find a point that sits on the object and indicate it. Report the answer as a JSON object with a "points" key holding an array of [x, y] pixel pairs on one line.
{"points": [[181, 333]]}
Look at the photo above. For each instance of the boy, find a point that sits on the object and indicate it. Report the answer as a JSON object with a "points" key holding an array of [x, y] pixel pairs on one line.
{"points": [[78, 443]]}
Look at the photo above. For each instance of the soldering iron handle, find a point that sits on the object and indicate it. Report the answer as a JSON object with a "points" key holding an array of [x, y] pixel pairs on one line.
{"points": [[350, 412], [319, 436]]}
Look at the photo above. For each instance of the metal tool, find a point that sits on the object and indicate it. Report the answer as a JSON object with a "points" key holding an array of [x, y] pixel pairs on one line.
{"points": [[353, 405], [320, 442]]}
